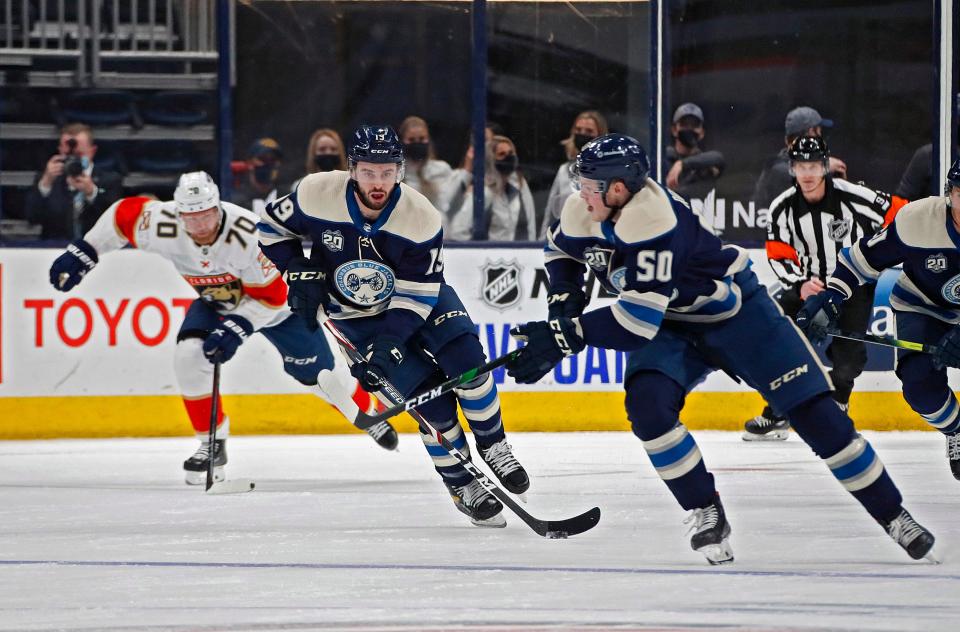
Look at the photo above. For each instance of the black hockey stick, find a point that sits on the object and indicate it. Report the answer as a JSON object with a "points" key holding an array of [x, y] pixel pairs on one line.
{"points": [[223, 487], [885, 341], [545, 528], [402, 405]]}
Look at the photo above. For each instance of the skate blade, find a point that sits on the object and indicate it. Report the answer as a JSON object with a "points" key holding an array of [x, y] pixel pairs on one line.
{"points": [[238, 486], [717, 554], [200, 478], [773, 435], [522, 497], [933, 558], [493, 522]]}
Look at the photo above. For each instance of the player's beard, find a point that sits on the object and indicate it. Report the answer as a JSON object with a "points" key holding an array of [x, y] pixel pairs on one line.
{"points": [[370, 204]]}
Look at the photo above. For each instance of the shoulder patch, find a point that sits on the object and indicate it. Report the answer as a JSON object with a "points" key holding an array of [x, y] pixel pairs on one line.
{"points": [[647, 216], [923, 224], [322, 195], [414, 218]]}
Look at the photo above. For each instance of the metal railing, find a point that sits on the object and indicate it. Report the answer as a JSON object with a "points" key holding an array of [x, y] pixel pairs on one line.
{"points": [[88, 33]]}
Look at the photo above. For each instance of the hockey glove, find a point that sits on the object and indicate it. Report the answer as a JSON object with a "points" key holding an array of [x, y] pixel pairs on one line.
{"points": [[69, 268], [307, 290], [223, 342], [386, 353], [566, 300], [547, 342], [819, 312], [946, 353]]}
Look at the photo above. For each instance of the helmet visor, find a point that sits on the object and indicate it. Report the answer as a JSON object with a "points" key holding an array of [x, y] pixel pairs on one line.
{"points": [[201, 222], [580, 183]]}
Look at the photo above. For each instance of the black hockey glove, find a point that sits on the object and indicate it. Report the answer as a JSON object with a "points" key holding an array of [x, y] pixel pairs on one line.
{"points": [[547, 342], [566, 300], [222, 343], [946, 353], [819, 312], [69, 268], [307, 290], [385, 353]]}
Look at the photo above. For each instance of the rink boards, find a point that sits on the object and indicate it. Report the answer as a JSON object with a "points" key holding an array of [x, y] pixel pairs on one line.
{"points": [[98, 361]]}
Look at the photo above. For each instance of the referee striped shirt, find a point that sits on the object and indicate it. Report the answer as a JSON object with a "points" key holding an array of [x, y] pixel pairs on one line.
{"points": [[804, 239]]}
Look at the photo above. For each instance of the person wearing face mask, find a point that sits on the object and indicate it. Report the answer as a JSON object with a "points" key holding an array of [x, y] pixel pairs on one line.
{"points": [[509, 213], [260, 185], [586, 126], [325, 152], [691, 171], [423, 172]]}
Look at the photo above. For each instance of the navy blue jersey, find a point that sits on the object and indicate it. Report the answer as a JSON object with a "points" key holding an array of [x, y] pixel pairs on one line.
{"points": [[658, 259], [392, 266], [924, 240]]}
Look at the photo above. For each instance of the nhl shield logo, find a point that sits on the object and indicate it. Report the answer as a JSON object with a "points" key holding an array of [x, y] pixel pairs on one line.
{"points": [[937, 262], [840, 228], [501, 284]]}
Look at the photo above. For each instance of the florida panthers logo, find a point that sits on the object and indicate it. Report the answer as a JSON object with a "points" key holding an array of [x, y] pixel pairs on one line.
{"points": [[951, 290], [365, 283]]}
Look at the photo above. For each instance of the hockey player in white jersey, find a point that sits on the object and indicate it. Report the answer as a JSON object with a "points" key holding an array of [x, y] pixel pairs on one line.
{"points": [[213, 245]]}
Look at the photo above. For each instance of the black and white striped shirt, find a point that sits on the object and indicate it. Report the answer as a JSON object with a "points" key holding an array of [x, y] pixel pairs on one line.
{"points": [[804, 239]]}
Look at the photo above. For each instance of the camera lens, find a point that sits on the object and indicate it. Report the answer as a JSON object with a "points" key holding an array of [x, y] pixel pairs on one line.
{"points": [[73, 166]]}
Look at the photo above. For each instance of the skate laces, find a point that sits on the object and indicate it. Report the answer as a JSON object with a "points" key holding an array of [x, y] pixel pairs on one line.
{"points": [[500, 457], [703, 518], [378, 430], [953, 447], [202, 453], [470, 493], [763, 422], [904, 529]]}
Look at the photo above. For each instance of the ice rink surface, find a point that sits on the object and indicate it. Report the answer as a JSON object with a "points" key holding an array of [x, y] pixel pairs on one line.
{"points": [[339, 534]]}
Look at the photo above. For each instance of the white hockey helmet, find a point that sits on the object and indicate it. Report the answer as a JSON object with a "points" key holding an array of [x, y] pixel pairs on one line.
{"points": [[196, 191]]}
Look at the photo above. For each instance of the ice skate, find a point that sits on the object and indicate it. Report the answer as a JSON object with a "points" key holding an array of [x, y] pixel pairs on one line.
{"points": [[915, 540], [499, 457], [711, 533], [195, 467], [480, 505], [764, 428], [384, 434], [953, 454]]}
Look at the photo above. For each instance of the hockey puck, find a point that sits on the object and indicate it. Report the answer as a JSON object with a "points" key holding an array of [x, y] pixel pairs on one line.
{"points": [[556, 535]]}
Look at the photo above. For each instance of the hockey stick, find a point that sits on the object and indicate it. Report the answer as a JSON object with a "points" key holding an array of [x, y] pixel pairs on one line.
{"points": [[402, 405], [884, 341], [224, 487], [547, 528]]}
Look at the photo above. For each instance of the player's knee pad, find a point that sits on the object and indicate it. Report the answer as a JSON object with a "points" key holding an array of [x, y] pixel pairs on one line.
{"points": [[194, 372], [461, 354], [653, 403], [822, 425]]}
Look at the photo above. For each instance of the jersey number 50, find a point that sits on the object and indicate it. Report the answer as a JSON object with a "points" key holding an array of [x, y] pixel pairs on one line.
{"points": [[654, 265]]}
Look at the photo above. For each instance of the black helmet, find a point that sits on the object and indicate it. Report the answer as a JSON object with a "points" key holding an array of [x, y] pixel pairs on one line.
{"points": [[809, 149], [953, 177]]}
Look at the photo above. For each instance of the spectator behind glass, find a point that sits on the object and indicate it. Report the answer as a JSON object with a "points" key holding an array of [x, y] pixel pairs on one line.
{"points": [[423, 171], [775, 177], [691, 171], [916, 181], [258, 182], [325, 152], [509, 213], [586, 126], [72, 192]]}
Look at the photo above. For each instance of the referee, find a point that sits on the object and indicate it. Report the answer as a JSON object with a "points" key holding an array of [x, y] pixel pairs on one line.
{"points": [[810, 223]]}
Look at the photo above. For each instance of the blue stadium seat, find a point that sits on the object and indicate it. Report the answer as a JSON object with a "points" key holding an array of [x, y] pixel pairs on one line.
{"points": [[177, 107]]}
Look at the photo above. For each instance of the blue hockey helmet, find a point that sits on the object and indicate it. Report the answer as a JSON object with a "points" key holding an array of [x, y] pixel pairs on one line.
{"points": [[612, 157], [953, 177], [375, 143]]}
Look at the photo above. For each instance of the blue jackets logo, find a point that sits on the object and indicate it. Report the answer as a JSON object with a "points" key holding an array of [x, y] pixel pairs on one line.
{"points": [[618, 278], [951, 290], [501, 284], [365, 283]]}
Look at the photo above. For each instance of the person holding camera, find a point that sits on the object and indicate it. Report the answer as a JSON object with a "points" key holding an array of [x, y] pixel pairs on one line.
{"points": [[72, 192]]}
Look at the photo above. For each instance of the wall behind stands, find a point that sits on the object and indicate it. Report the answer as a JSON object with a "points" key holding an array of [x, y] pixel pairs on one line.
{"points": [[98, 361]]}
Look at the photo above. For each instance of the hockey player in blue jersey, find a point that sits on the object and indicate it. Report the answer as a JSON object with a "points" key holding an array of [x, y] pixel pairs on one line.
{"points": [[687, 305], [376, 269], [925, 239]]}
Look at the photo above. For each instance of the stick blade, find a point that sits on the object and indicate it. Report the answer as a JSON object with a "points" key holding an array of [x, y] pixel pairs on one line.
{"points": [[238, 486], [561, 529]]}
